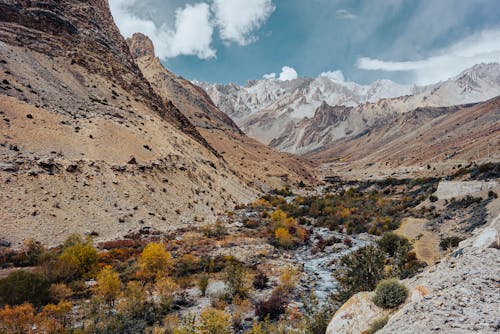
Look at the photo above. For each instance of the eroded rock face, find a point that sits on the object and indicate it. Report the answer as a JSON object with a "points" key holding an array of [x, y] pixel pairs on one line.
{"points": [[355, 316], [141, 46], [84, 33]]}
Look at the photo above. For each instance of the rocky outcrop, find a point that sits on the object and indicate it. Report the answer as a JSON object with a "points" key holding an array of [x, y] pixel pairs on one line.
{"points": [[457, 295], [355, 315], [84, 34], [141, 45], [460, 189], [192, 101]]}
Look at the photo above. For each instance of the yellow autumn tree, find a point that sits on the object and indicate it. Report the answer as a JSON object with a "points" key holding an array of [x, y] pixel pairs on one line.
{"points": [[283, 237], [155, 261], [108, 285]]}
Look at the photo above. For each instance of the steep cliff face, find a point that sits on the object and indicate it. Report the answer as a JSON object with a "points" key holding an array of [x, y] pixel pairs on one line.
{"points": [[84, 34], [194, 103], [86, 144]]}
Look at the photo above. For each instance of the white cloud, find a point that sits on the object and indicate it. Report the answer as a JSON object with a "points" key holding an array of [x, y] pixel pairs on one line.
{"points": [[483, 47], [269, 76], [345, 14], [192, 34], [287, 73], [237, 19], [333, 75]]}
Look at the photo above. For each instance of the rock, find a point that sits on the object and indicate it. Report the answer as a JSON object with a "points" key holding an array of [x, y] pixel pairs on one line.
{"points": [[356, 315], [460, 189], [9, 167]]}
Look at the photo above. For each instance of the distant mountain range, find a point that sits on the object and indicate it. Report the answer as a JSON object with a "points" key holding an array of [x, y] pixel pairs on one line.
{"points": [[308, 115]]}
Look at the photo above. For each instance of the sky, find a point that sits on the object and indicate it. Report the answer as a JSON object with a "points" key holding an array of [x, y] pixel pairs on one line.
{"points": [[407, 41]]}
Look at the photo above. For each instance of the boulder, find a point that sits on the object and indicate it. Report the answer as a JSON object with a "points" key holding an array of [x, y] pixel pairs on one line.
{"points": [[356, 315]]}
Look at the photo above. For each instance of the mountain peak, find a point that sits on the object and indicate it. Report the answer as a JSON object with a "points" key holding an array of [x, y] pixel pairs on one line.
{"points": [[141, 45]]}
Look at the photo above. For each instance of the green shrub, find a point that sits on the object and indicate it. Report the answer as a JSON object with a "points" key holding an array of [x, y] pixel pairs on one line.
{"points": [[377, 325], [392, 244], [360, 271], [433, 198], [22, 286], [450, 242], [390, 294]]}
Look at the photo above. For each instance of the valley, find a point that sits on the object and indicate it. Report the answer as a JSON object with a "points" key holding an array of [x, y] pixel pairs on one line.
{"points": [[134, 200]]}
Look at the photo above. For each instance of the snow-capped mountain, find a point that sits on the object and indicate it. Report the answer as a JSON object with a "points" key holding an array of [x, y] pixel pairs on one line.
{"points": [[294, 116]]}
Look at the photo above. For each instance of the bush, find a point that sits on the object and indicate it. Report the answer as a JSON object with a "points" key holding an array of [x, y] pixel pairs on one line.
{"points": [[390, 294], [234, 277], [377, 325], [433, 198], [272, 307], [391, 243], [260, 281], [360, 271], [450, 242], [214, 321], [202, 283], [22, 286]]}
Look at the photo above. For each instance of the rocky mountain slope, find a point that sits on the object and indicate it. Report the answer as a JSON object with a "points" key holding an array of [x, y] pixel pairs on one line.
{"points": [[456, 295], [425, 139], [86, 144], [304, 115], [255, 162]]}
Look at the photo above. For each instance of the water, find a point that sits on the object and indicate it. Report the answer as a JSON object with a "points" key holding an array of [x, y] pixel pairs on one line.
{"points": [[319, 267]]}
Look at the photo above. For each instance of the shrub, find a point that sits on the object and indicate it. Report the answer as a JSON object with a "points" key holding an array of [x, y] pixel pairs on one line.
{"points": [[390, 294], [17, 319], [59, 291], [22, 286], [234, 277], [213, 321], [391, 243], [272, 307], [260, 281], [433, 198], [283, 237], [377, 325], [202, 283], [450, 242], [166, 290], [289, 279], [360, 271]]}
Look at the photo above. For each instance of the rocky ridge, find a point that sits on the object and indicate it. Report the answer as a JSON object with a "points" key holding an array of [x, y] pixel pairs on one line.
{"points": [[86, 145], [286, 114]]}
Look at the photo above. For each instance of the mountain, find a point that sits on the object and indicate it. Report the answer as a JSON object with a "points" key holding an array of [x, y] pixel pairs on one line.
{"points": [[87, 145], [292, 115], [256, 163]]}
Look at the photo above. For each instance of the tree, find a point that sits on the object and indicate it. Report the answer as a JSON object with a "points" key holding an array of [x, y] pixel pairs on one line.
{"points": [[283, 237], [78, 259], [54, 318], [17, 319], [213, 321], [108, 285], [166, 289], [155, 261], [22, 286], [134, 297], [202, 283], [234, 277], [361, 271]]}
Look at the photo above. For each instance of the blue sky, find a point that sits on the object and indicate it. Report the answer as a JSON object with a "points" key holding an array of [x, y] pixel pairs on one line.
{"points": [[408, 41]]}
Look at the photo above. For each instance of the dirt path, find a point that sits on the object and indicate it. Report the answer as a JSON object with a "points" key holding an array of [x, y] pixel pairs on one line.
{"points": [[426, 244]]}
